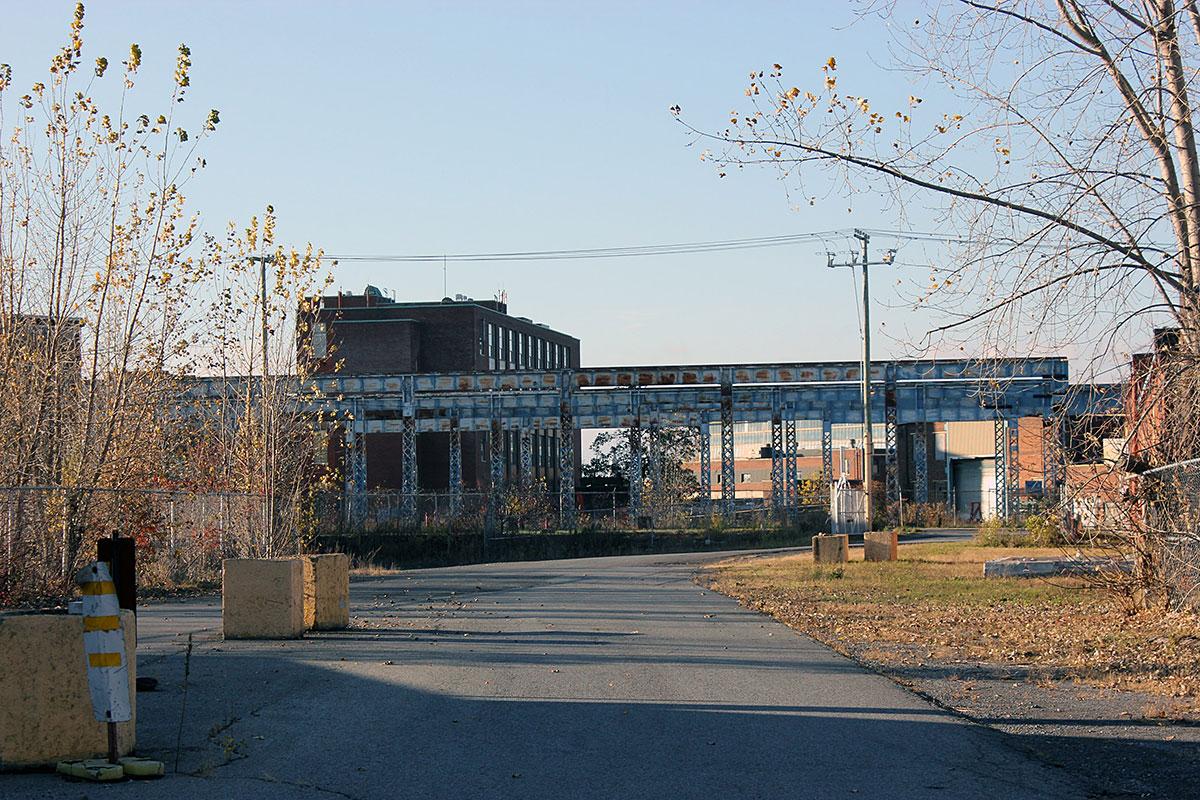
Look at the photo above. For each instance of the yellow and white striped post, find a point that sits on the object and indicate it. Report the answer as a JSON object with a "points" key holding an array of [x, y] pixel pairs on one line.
{"points": [[104, 650]]}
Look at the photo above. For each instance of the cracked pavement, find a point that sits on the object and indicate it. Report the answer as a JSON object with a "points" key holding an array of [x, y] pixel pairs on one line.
{"points": [[591, 678]]}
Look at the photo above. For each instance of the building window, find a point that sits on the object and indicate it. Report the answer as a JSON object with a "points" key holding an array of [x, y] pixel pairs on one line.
{"points": [[521, 351], [511, 360], [320, 340]]}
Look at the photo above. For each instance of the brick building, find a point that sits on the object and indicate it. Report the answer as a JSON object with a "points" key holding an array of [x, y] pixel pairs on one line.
{"points": [[370, 334]]}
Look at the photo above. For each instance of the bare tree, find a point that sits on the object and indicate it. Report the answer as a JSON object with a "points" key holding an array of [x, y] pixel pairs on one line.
{"points": [[110, 301], [94, 265], [259, 439], [1069, 162], [1065, 162]]}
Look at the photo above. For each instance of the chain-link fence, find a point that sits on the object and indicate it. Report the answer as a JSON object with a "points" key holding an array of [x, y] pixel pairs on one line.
{"points": [[527, 510], [1171, 536], [183, 536]]}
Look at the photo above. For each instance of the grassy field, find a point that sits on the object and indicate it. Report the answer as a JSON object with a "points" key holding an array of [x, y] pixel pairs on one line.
{"points": [[933, 605]]}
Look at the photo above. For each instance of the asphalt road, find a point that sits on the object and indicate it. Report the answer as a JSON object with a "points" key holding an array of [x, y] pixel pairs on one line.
{"points": [[596, 678]]}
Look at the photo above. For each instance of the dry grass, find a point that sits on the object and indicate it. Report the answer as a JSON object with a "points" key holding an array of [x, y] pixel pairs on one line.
{"points": [[934, 605]]}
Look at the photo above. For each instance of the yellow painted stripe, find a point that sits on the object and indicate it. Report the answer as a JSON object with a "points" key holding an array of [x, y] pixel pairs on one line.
{"points": [[104, 659], [109, 623], [99, 587]]}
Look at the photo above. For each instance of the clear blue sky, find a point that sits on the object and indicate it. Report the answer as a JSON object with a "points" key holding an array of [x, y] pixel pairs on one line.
{"points": [[486, 126]]}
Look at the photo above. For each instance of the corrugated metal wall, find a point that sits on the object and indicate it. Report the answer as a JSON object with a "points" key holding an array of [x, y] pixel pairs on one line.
{"points": [[970, 439]]}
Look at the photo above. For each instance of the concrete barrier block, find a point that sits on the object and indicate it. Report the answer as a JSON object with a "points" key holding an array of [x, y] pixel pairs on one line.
{"points": [[1054, 566], [881, 546], [45, 706], [262, 598], [326, 591], [831, 548]]}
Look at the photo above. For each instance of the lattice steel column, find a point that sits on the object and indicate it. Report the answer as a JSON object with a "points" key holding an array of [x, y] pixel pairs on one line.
{"points": [[1056, 447], [566, 456], [889, 436], [496, 469], [1062, 456], [793, 474], [778, 487], [920, 464], [355, 472], [1001, 467], [526, 458], [456, 480], [1014, 468], [728, 477], [827, 452], [705, 463], [408, 453], [408, 478], [654, 449], [635, 475]]}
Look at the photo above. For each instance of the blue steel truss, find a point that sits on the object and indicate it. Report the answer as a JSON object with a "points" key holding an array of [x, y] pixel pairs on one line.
{"points": [[565, 401], [778, 456], [925, 391], [793, 474], [920, 455]]}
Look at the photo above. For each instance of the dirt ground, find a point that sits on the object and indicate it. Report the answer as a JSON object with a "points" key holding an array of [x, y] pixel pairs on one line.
{"points": [[1058, 666]]}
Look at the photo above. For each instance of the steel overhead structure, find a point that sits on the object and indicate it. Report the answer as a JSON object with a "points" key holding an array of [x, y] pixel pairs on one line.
{"points": [[655, 397]]}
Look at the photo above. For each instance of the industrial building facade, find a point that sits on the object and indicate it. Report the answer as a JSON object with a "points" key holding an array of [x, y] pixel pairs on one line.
{"points": [[960, 461], [370, 334]]}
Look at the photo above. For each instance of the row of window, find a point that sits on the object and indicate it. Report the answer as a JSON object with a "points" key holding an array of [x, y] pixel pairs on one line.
{"points": [[750, 437], [506, 348]]}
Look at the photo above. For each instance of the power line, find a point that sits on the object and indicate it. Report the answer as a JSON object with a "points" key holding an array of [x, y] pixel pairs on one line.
{"points": [[682, 248], [603, 252]]}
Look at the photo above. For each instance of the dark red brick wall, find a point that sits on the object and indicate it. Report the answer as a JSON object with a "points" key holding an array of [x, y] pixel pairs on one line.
{"points": [[373, 336], [373, 346]]}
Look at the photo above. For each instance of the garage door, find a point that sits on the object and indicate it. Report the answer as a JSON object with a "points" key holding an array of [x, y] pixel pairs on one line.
{"points": [[974, 488]]}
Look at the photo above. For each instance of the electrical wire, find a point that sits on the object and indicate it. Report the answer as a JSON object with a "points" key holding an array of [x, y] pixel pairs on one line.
{"points": [[603, 252], [679, 248]]}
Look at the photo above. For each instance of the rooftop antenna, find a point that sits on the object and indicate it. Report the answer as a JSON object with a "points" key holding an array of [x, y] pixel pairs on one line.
{"points": [[444, 294]]}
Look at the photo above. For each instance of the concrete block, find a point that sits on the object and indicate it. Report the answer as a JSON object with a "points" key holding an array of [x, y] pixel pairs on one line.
{"points": [[326, 591], [881, 546], [831, 548], [262, 598], [45, 706], [1052, 566]]}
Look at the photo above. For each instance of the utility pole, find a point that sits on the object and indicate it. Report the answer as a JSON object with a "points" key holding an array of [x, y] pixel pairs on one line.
{"points": [[268, 445], [863, 260]]}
